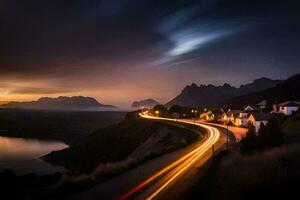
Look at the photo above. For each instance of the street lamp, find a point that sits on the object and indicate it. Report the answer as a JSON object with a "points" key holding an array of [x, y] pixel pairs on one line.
{"points": [[192, 111], [195, 113], [157, 113], [227, 138]]}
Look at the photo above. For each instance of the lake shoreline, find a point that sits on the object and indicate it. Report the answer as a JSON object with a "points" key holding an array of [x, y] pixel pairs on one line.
{"points": [[30, 136], [66, 126], [24, 155]]}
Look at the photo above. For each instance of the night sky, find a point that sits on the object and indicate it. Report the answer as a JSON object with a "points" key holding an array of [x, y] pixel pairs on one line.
{"points": [[123, 50]]}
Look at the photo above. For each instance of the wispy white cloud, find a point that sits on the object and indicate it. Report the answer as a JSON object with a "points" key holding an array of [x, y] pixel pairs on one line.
{"points": [[190, 43], [188, 33]]}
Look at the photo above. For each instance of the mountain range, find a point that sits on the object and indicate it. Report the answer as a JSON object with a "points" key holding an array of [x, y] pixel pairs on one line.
{"points": [[285, 91], [75, 103], [212, 96], [148, 103], [274, 91]]}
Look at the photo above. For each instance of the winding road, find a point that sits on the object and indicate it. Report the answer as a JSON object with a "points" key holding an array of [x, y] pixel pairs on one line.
{"points": [[156, 184], [164, 177]]}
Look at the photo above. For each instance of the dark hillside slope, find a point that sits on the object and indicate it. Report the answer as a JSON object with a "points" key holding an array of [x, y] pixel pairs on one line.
{"points": [[128, 142]]}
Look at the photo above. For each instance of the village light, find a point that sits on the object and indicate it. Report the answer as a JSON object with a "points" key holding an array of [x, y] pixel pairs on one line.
{"points": [[194, 112], [157, 112]]}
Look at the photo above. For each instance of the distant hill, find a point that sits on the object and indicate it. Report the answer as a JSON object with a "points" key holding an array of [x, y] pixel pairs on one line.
{"points": [[3, 102], [75, 103], [210, 95], [149, 103], [203, 95], [284, 91]]}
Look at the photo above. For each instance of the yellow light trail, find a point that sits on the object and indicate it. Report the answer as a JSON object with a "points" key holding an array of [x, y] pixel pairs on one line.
{"points": [[180, 166]]}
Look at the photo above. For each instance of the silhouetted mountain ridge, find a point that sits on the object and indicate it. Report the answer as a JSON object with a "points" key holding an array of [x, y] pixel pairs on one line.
{"points": [[150, 103], [257, 85], [75, 103], [210, 95], [284, 91]]}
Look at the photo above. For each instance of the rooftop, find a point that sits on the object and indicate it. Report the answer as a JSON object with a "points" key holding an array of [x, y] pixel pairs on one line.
{"points": [[290, 104], [261, 116], [254, 107], [262, 103]]}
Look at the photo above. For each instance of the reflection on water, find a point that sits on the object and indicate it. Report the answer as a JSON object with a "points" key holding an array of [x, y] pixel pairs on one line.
{"points": [[22, 155]]}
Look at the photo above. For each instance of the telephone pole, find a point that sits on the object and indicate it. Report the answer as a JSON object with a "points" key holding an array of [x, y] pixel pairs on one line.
{"points": [[227, 138]]}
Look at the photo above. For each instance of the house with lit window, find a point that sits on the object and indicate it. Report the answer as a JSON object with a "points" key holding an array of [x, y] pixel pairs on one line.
{"points": [[287, 107], [230, 116], [258, 118], [211, 115], [241, 120], [207, 116]]}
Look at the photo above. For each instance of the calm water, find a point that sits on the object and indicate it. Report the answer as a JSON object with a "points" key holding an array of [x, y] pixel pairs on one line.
{"points": [[23, 155]]}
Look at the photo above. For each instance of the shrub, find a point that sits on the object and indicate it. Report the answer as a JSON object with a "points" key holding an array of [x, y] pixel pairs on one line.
{"points": [[269, 136], [249, 142]]}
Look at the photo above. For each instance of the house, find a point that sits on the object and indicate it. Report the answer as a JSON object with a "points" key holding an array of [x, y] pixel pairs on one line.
{"points": [[230, 115], [175, 115], [218, 115], [262, 105], [251, 108], [259, 118], [287, 107], [209, 115], [241, 120]]}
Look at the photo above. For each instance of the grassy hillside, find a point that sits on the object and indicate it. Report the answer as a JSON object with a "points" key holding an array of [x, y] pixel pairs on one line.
{"points": [[68, 127], [291, 128], [122, 145], [273, 173]]}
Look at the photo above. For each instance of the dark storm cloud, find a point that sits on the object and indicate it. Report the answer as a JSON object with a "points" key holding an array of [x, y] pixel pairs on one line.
{"points": [[50, 36], [110, 45], [43, 36]]}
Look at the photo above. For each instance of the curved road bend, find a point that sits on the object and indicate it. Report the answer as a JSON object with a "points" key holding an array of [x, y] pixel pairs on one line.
{"points": [[238, 132], [138, 182], [158, 183]]}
